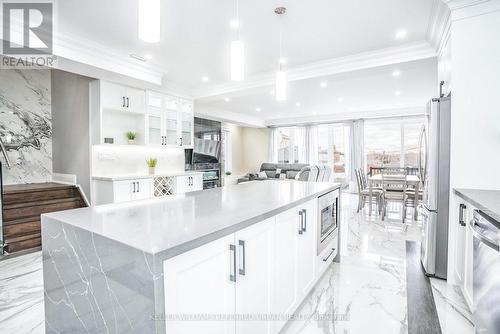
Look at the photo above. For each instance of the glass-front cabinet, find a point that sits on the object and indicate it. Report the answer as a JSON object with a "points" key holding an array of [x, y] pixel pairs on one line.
{"points": [[170, 120]]}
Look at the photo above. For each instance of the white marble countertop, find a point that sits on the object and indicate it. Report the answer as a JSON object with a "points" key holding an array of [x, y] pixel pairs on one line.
{"points": [[175, 224], [141, 176], [487, 201]]}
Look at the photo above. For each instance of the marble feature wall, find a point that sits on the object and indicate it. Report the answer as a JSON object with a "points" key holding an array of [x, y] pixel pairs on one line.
{"points": [[113, 290], [26, 125]]}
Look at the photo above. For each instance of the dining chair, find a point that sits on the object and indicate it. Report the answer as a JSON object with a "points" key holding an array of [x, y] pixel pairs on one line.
{"points": [[394, 187], [364, 193]]}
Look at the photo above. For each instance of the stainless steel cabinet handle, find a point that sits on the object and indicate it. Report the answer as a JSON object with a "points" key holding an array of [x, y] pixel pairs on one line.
{"points": [[331, 253], [123, 101], [232, 263], [304, 217], [461, 215], [484, 240], [301, 223], [242, 270], [128, 105], [134, 187], [138, 189]]}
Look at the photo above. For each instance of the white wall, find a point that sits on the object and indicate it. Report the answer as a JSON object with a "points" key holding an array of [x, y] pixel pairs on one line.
{"points": [[475, 134], [70, 120], [474, 73]]}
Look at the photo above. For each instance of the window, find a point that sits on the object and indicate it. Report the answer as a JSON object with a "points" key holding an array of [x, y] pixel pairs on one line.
{"points": [[227, 151], [284, 145], [392, 143], [291, 145]]}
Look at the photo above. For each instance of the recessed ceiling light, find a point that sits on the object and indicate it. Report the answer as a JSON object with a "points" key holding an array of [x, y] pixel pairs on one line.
{"points": [[282, 60], [278, 116], [258, 109], [234, 24], [397, 93], [205, 78], [400, 34], [271, 92], [297, 104], [340, 99], [227, 99], [396, 73], [323, 84], [148, 56], [314, 113]]}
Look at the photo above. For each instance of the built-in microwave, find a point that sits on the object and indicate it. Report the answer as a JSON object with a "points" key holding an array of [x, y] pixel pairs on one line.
{"points": [[328, 218]]}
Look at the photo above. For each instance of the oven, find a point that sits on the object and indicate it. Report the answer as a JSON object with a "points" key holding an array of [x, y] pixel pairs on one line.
{"points": [[328, 218]]}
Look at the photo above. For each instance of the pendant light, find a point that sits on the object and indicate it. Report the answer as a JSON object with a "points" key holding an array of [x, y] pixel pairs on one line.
{"points": [[237, 52], [149, 20], [281, 75]]}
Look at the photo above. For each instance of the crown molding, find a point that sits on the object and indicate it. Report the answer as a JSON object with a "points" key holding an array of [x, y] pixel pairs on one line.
{"points": [[222, 115], [376, 58], [438, 30], [96, 55], [463, 9], [347, 117]]}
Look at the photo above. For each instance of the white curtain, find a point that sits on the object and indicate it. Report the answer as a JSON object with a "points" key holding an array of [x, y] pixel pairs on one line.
{"points": [[300, 141], [358, 150], [311, 145], [273, 145]]}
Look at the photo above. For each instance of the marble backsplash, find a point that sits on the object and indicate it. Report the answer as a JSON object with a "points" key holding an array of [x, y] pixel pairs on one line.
{"points": [[26, 125]]}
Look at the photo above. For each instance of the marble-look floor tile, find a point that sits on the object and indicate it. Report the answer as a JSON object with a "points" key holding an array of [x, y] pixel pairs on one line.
{"points": [[454, 314], [364, 293], [21, 297]]}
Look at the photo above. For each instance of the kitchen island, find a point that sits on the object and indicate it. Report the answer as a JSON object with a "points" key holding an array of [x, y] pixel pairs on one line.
{"points": [[173, 265]]}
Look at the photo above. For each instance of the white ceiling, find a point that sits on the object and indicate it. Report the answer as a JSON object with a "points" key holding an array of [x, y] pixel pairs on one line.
{"points": [[196, 35], [346, 93]]}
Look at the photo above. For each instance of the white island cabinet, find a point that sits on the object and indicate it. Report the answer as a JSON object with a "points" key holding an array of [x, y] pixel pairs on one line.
{"points": [[265, 269], [229, 260]]}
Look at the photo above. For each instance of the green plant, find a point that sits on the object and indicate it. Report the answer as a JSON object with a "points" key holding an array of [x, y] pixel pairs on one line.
{"points": [[131, 135], [228, 173], [152, 162]]}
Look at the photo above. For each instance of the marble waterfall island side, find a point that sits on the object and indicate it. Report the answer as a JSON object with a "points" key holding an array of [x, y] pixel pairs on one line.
{"points": [[103, 265]]}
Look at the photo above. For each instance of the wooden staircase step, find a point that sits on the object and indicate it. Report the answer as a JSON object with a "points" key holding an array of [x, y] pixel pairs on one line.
{"points": [[31, 193], [21, 226], [23, 242], [30, 209]]}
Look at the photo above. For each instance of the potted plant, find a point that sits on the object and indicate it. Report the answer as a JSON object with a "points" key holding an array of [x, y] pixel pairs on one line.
{"points": [[152, 165], [228, 173], [131, 135]]}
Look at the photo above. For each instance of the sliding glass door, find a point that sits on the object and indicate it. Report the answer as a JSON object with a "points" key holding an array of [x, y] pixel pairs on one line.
{"points": [[333, 149], [392, 142]]}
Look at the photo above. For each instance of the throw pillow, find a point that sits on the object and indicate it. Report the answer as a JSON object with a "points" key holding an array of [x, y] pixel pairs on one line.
{"points": [[278, 172], [262, 175], [291, 174]]}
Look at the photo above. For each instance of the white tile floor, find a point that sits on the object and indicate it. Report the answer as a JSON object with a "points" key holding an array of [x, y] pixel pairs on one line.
{"points": [[365, 293]]}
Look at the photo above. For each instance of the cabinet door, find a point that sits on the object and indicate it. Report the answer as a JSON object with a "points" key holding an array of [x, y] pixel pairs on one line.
{"points": [[143, 189], [197, 182], [306, 250], [460, 229], [284, 297], [135, 100], [154, 105], [469, 259], [254, 281], [186, 122], [123, 191], [171, 121], [113, 96], [197, 283]]}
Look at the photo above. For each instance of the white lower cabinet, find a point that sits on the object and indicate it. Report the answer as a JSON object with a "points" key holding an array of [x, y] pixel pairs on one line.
{"points": [[122, 191], [188, 183], [254, 276], [267, 268], [197, 283]]}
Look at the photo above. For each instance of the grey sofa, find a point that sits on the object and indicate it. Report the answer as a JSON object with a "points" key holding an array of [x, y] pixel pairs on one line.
{"points": [[290, 171]]}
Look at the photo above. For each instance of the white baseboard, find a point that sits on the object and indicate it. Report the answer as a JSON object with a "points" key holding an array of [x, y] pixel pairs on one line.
{"points": [[64, 178]]}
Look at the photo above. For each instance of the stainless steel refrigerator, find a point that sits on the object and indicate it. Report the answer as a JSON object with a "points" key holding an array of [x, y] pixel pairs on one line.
{"points": [[434, 171]]}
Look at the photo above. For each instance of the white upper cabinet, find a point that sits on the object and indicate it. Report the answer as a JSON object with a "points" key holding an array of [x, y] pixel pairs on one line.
{"points": [[117, 97], [171, 120]]}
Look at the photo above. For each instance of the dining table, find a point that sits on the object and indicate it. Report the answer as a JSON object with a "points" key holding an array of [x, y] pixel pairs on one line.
{"points": [[411, 180]]}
